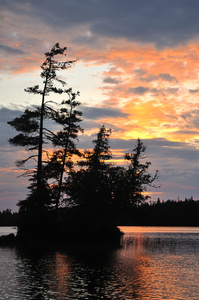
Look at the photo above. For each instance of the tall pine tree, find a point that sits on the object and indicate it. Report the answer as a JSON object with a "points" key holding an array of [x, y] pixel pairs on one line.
{"points": [[33, 134], [31, 123]]}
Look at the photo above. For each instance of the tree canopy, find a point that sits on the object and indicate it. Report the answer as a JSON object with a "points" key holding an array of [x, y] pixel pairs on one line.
{"points": [[95, 185]]}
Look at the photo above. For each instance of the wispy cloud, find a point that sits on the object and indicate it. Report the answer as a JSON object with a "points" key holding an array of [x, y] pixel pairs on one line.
{"points": [[11, 50], [111, 80], [162, 76]]}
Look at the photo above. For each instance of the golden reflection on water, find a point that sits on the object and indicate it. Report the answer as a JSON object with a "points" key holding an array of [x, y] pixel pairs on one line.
{"points": [[166, 266], [156, 229], [61, 272], [148, 267]]}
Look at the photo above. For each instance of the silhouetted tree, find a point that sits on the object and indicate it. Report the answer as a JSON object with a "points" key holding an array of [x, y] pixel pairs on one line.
{"points": [[31, 123], [137, 177], [89, 186], [95, 159], [105, 187], [127, 186], [33, 134], [68, 117]]}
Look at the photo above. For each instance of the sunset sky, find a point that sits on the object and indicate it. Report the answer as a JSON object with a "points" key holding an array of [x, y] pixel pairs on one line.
{"points": [[137, 70]]}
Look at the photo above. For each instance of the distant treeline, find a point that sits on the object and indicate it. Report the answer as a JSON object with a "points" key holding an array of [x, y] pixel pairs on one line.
{"points": [[160, 213], [8, 218], [164, 213]]}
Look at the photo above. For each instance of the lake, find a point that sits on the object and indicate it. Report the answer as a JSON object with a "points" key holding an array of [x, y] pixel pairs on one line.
{"points": [[153, 263]]}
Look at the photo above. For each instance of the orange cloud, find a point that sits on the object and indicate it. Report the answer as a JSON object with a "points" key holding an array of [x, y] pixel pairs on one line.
{"points": [[155, 87]]}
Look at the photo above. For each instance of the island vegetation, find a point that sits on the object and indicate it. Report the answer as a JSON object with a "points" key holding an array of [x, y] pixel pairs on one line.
{"points": [[73, 193]]}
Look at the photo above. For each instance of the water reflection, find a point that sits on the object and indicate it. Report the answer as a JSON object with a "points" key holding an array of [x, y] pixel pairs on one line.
{"points": [[81, 274], [148, 266]]}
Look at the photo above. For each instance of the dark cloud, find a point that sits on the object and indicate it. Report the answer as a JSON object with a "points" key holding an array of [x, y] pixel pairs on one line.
{"points": [[84, 39], [191, 118], [170, 91], [12, 189], [151, 144], [111, 80], [141, 90], [95, 113], [7, 114], [11, 50], [158, 22], [191, 132], [163, 23], [168, 77], [194, 91], [140, 72], [163, 76], [149, 78], [6, 131]]}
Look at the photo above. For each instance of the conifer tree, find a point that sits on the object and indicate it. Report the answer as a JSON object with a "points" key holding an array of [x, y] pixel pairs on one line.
{"points": [[95, 159], [88, 186], [137, 177], [68, 117], [30, 125]]}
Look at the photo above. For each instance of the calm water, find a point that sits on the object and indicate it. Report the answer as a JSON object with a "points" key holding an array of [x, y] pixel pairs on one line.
{"points": [[154, 263], [6, 230]]}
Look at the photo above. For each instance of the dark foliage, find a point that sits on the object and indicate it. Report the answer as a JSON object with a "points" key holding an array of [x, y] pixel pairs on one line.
{"points": [[68, 117], [168, 213], [89, 186], [44, 193], [30, 125], [8, 218], [101, 189]]}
